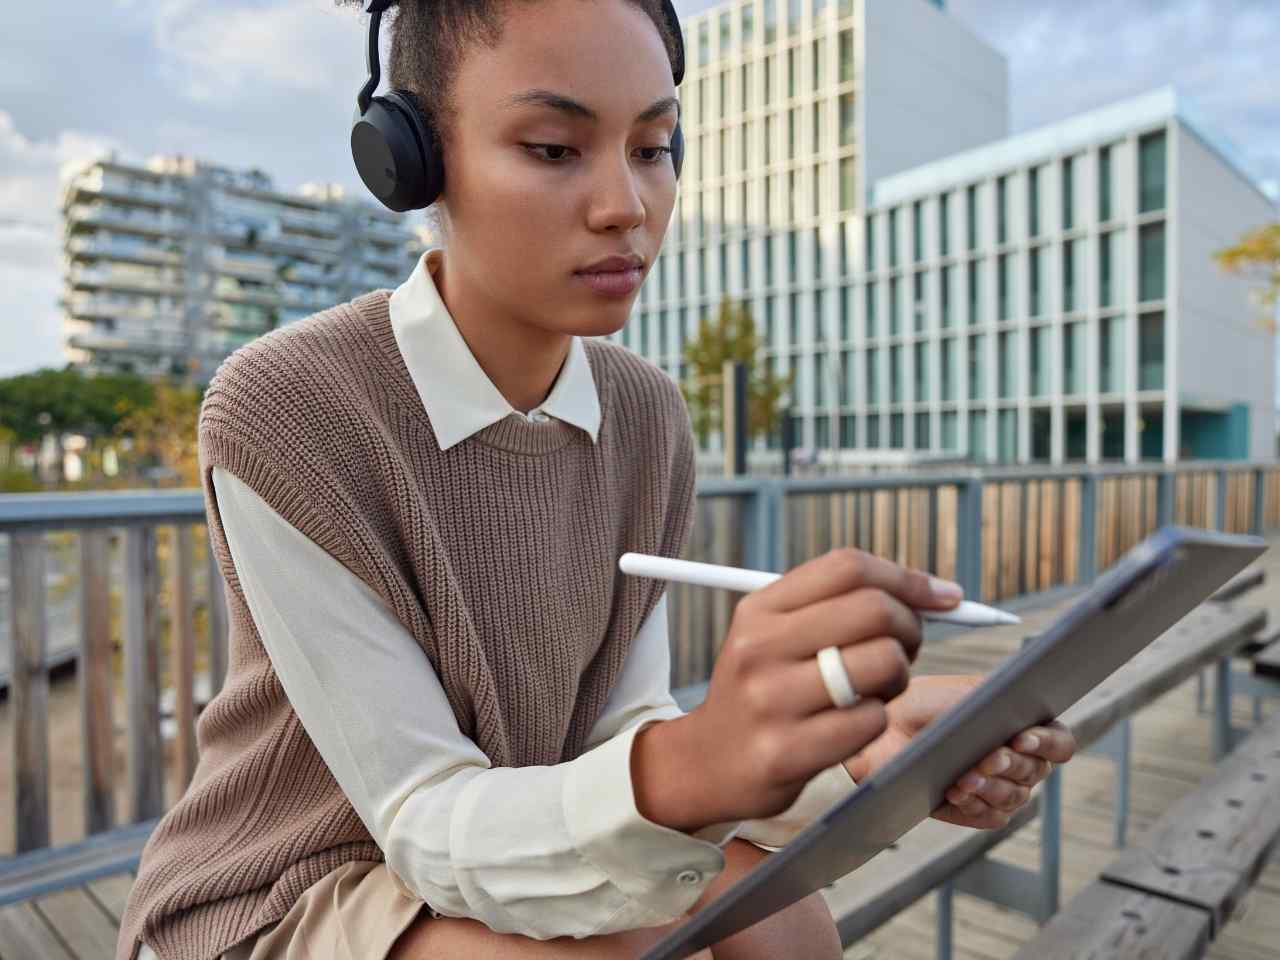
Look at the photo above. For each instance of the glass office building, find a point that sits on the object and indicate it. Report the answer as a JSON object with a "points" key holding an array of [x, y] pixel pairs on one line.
{"points": [[1048, 296]]}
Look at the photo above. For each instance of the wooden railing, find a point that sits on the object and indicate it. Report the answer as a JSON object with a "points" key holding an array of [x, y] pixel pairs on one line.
{"points": [[160, 623]]}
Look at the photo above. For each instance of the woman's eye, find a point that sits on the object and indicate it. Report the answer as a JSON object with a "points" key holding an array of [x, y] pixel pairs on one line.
{"points": [[554, 152], [657, 157]]}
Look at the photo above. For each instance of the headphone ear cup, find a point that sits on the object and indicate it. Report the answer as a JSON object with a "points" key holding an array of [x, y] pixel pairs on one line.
{"points": [[677, 149], [396, 154]]}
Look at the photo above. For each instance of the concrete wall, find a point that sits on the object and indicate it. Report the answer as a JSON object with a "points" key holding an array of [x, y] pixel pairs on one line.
{"points": [[930, 87], [1224, 355]]}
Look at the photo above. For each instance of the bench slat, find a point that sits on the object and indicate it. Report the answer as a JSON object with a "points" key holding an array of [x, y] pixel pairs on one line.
{"points": [[1106, 922], [1240, 584], [112, 892], [1209, 847], [81, 923], [1198, 640], [923, 858], [24, 935]]}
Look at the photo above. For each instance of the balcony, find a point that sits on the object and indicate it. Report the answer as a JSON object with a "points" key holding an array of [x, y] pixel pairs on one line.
{"points": [[89, 305], [316, 221], [125, 218], [107, 277], [97, 245], [96, 183]]}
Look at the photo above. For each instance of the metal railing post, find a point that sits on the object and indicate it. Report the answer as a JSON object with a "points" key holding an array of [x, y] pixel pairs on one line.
{"points": [[1221, 491], [969, 538], [1164, 498], [1088, 528]]}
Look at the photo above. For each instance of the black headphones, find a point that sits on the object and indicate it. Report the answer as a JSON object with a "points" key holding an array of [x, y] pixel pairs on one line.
{"points": [[396, 152]]}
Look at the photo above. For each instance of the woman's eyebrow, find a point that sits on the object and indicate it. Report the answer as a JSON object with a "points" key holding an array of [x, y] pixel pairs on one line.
{"points": [[557, 101]]}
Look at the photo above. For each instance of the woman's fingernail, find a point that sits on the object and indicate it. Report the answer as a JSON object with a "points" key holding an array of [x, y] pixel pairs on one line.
{"points": [[972, 782], [1002, 762], [1028, 741], [945, 589]]}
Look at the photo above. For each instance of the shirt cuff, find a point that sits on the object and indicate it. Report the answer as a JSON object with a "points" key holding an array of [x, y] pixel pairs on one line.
{"points": [[820, 794], [662, 870]]}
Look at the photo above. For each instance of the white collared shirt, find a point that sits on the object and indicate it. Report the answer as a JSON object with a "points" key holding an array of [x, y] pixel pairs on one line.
{"points": [[542, 851]]}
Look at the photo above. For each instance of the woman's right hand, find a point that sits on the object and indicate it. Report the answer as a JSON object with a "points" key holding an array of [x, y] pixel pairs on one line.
{"points": [[768, 725]]}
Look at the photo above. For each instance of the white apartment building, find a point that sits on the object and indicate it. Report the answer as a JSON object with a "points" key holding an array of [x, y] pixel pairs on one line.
{"points": [[942, 289], [172, 264]]}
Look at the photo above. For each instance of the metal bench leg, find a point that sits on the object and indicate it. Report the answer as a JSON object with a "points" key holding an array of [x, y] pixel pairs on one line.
{"points": [[1222, 733], [945, 921], [1200, 686], [1051, 844], [1123, 767]]}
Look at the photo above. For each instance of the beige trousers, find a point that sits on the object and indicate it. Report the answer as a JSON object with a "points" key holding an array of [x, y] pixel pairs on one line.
{"points": [[354, 912]]}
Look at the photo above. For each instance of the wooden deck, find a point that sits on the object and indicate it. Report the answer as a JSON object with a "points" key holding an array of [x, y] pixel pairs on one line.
{"points": [[1171, 753]]}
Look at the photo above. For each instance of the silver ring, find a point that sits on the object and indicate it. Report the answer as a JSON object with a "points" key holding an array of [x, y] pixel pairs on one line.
{"points": [[836, 677]]}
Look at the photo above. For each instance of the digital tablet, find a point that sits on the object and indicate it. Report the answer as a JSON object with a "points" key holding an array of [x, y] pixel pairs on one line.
{"points": [[1147, 591]]}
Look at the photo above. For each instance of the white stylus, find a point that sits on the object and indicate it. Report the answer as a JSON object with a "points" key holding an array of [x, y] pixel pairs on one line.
{"points": [[966, 613]]}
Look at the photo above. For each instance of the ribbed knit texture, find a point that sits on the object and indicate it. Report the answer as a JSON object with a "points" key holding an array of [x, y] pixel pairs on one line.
{"points": [[499, 555]]}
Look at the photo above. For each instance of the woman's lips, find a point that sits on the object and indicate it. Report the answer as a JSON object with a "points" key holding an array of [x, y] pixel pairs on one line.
{"points": [[612, 283]]}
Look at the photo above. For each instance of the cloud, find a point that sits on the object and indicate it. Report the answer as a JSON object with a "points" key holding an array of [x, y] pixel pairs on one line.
{"points": [[30, 239], [222, 52]]}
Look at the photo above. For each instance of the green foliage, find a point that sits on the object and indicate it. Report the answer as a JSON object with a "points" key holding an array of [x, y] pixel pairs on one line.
{"points": [[730, 336], [68, 401], [1257, 255]]}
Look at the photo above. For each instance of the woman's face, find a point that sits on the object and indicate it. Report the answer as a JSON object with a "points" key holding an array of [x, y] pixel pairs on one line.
{"points": [[558, 159]]}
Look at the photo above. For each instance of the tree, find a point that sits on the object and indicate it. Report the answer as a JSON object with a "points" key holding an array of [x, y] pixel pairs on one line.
{"points": [[68, 401], [730, 336], [163, 436], [1257, 255]]}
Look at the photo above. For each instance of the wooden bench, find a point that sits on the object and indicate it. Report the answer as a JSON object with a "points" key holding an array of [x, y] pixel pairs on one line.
{"points": [[1171, 894]]}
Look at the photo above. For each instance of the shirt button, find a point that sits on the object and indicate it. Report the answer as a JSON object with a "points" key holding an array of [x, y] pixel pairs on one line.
{"points": [[538, 417], [689, 877]]}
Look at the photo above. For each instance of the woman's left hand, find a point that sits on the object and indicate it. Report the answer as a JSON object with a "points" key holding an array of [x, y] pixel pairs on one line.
{"points": [[989, 794]]}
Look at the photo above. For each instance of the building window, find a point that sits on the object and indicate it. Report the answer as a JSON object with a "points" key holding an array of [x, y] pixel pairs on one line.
{"points": [[1004, 288], [663, 345], [848, 120], [1111, 268], [1033, 265], [748, 24], [726, 33], [1007, 426], [792, 58], [793, 15], [1007, 363], [949, 439], [817, 253], [1151, 262], [922, 432], [818, 178], [704, 43], [1002, 210], [921, 358], [1073, 359], [977, 367], [918, 304], [974, 300], [1039, 361], [896, 373], [1033, 201], [793, 197], [1151, 351], [1069, 276], [819, 380], [846, 378], [873, 377], [945, 292], [944, 224], [793, 316], [846, 312], [846, 56], [917, 231], [819, 318], [873, 432], [949, 369], [1104, 184], [897, 440], [1068, 193], [848, 439], [822, 432], [1151, 172], [819, 74], [870, 289], [770, 21], [848, 184], [793, 268], [978, 435], [1111, 354], [895, 306], [893, 237], [870, 242], [971, 216]]}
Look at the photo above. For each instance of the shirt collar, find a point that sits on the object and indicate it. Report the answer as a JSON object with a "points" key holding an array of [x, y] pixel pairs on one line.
{"points": [[458, 395]]}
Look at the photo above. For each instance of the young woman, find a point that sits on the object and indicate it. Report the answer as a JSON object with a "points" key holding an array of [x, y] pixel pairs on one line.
{"points": [[446, 729]]}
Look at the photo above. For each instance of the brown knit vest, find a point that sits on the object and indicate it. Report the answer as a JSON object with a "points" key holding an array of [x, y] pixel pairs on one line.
{"points": [[498, 555]]}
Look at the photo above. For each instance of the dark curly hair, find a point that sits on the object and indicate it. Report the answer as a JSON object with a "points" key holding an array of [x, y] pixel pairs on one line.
{"points": [[429, 38]]}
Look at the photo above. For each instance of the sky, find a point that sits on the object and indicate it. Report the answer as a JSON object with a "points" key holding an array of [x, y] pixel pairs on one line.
{"points": [[272, 83]]}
